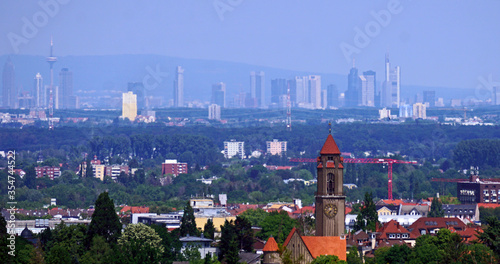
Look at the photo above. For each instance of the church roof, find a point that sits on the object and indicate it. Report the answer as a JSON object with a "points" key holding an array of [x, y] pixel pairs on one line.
{"points": [[271, 245], [287, 240], [325, 245], [330, 147]]}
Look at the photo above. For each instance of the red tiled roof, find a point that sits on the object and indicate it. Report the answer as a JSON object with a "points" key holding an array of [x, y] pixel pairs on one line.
{"points": [[135, 209], [392, 227], [397, 202], [325, 245], [431, 223], [348, 210], [488, 205], [271, 245], [330, 164], [330, 147]]}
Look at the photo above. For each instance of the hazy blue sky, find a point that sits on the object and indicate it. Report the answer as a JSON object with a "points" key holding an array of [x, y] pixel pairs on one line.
{"points": [[437, 43]]}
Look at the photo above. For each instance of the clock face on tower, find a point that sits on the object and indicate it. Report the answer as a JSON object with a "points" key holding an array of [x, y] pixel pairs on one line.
{"points": [[330, 210]]}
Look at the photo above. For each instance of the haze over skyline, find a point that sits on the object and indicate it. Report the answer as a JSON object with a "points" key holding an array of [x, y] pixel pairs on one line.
{"points": [[445, 43]]}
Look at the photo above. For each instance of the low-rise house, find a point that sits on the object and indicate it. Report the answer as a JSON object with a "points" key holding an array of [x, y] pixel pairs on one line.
{"points": [[202, 243], [394, 233], [466, 212], [430, 225], [421, 210], [387, 209]]}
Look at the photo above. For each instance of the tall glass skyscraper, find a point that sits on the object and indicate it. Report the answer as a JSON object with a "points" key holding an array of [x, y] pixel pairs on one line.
{"points": [[179, 87]]}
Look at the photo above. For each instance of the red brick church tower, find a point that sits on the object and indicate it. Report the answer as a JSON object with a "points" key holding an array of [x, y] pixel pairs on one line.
{"points": [[330, 199]]}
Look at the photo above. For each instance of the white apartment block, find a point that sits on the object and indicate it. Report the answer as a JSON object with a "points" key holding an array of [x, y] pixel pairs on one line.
{"points": [[214, 112], [234, 148], [419, 111]]}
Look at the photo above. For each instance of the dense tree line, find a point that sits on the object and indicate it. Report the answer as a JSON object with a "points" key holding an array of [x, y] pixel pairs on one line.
{"points": [[478, 153]]}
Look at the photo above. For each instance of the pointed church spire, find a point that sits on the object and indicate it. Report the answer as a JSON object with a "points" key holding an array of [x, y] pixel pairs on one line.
{"points": [[330, 147]]}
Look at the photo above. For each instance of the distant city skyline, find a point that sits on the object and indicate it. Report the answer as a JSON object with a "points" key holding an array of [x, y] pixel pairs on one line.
{"points": [[460, 54]]}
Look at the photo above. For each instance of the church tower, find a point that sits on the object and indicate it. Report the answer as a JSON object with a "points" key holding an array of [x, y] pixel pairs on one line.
{"points": [[330, 199]]}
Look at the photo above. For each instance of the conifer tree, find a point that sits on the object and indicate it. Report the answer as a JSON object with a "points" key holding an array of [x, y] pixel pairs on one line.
{"points": [[367, 219], [436, 208], [105, 221], [188, 223], [209, 229]]}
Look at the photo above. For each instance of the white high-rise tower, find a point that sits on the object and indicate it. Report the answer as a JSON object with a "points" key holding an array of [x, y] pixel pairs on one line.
{"points": [[179, 87], [391, 91]]}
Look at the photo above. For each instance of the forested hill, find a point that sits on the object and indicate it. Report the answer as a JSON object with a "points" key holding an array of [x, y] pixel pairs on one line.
{"points": [[428, 141]]}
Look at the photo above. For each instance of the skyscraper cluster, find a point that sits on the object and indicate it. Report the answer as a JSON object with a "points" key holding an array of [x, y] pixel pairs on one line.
{"points": [[39, 96], [305, 91], [362, 89]]}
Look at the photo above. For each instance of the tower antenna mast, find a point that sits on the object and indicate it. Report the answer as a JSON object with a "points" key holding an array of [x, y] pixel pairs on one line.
{"points": [[51, 60]]}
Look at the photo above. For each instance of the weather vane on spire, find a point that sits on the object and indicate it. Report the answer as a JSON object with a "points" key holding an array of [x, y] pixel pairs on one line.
{"points": [[330, 127]]}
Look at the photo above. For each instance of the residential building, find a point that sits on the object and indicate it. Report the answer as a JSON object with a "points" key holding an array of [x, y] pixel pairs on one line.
{"points": [[392, 233], [48, 171], [214, 112], [384, 113], [419, 210], [115, 170], [387, 209], [129, 106], [9, 91], [99, 171], [179, 87], [234, 148], [219, 94], [430, 225], [419, 111], [171, 166], [465, 212], [276, 147], [203, 244], [258, 88]]}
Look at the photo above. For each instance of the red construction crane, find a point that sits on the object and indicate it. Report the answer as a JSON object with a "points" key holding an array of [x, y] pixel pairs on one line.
{"points": [[389, 163]]}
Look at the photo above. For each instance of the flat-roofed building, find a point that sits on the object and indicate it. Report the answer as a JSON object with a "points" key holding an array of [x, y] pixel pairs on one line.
{"points": [[276, 147], [171, 166]]}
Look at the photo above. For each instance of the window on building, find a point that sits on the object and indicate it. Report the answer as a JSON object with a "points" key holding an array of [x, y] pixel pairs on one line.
{"points": [[330, 183]]}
